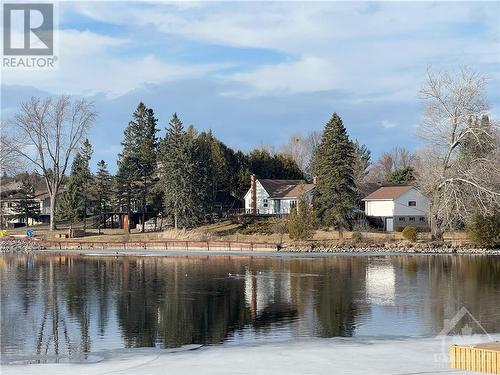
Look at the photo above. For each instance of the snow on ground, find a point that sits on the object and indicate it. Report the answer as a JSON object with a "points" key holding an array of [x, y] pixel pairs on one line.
{"points": [[306, 356]]}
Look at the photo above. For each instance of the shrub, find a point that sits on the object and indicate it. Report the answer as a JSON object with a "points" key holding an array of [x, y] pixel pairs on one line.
{"points": [[357, 236], [410, 233], [485, 230], [301, 221]]}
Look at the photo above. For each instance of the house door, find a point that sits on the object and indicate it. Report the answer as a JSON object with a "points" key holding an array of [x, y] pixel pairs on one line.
{"points": [[277, 206], [389, 224]]}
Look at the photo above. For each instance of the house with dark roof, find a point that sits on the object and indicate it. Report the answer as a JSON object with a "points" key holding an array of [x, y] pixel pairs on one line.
{"points": [[275, 197], [398, 206]]}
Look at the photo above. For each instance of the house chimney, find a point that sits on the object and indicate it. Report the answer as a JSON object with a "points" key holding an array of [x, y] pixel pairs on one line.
{"points": [[253, 187], [315, 180]]}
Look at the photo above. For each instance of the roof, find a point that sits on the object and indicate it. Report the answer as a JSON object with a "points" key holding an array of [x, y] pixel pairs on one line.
{"points": [[388, 192], [285, 188]]}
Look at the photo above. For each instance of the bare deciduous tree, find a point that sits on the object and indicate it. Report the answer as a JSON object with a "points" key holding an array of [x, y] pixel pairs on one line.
{"points": [[389, 162], [10, 162], [49, 131], [301, 148], [459, 184]]}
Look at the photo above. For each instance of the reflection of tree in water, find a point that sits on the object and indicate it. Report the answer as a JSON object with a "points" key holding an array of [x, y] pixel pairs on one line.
{"points": [[169, 302], [190, 302], [336, 307]]}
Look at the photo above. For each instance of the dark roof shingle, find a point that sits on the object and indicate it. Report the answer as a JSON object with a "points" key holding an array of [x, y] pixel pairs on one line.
{"points": [[285, 188]]}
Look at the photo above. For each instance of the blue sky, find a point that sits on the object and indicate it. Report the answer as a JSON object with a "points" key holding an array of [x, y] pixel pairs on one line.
{"points": [[256, 72]]}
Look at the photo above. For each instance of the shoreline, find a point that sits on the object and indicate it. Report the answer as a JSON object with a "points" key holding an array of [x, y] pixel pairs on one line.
{"points": [[186, 248]]}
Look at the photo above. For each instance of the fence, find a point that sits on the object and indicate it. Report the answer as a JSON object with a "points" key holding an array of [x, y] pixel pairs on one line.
{"points": [[481, 358], [162, 245]]}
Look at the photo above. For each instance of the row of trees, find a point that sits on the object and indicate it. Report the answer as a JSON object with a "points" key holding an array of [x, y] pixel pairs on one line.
{"points": [[181, 174]]}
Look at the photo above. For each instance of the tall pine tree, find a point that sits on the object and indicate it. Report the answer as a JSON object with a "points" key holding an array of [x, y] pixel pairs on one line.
{"points": [[137, 165], [103, 192], [335, 193], [86, 180], [70, 206], [184, 175]]}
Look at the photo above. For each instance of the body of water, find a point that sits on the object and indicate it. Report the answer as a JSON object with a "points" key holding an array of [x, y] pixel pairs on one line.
{"points": [[67, 306]]}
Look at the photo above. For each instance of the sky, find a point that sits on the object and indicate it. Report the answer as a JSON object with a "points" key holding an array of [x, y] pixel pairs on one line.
{"points": [[256, 72]]}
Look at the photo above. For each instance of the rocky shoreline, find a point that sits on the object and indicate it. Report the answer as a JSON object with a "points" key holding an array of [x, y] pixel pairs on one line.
{"points": [[25, 246], [19, 246], [392, 248]]}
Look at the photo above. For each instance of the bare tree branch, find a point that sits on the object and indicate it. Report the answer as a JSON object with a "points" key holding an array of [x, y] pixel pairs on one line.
{"points": [[48, 133]]}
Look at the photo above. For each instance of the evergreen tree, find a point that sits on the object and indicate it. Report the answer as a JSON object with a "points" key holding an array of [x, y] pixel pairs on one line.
{"points": [[184, 175], [301, 220], [86, 179], [103, 192], [70, 206], [402, 176], [27, 207], [335, 192], [127, 173], [82, 178], [147, 152], [137, 163]]}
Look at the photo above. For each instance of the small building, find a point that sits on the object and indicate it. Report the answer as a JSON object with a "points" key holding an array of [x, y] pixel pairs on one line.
{"points": [[398, 206], [8, 215], [275, 197]]}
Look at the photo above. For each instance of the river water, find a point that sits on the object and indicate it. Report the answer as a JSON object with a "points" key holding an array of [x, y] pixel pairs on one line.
{"points": [[64, 307]]}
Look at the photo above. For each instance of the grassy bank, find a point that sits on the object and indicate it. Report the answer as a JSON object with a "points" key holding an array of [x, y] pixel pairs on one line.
{"points": [[254, 231]]}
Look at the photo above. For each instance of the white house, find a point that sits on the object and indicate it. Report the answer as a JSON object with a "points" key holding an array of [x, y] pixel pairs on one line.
{"points": [[274, 197], [398, 206], [9, 199]]}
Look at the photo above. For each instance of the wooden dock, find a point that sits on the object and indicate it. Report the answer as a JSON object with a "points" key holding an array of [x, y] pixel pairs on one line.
{"points": [[480, 358]]}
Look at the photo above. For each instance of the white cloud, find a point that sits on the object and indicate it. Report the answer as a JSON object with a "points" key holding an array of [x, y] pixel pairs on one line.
{"points": [[91, 63], [386, 124], [375, 50], [307, 75]]}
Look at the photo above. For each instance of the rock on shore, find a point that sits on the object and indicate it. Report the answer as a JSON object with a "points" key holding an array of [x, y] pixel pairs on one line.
{"points": [[9, 245]]}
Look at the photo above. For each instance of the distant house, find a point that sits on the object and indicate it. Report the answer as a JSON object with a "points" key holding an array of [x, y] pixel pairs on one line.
{"points": [[398, 206], [274, 197], [10, 199]]}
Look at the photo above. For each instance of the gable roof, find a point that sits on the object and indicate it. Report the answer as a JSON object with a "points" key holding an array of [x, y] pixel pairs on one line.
{"points": [[388, 192], [285, 188]]}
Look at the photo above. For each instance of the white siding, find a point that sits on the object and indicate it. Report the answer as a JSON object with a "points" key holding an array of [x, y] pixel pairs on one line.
{"points": [[261, 195], [284, 204], [401, 207], [380, 208]]}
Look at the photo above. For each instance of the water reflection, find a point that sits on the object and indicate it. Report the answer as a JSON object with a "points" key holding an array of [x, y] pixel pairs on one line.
{"points": [[70, 305]]}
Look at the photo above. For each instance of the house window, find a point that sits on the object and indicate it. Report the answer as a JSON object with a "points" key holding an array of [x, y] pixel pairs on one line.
{"points": [[412, 219], [293, 204], [421, 219], [412, 203], [401, 219], [265, 202]]}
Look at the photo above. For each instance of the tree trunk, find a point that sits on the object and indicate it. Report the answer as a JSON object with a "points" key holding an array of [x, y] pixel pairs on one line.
{"points": [[27, 218], [52, 212], [436, 230], [85, 214], [99, 223]]}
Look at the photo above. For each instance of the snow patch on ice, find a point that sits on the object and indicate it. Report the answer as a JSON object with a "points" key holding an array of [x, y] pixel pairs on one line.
{"points": [[306, 356]]}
